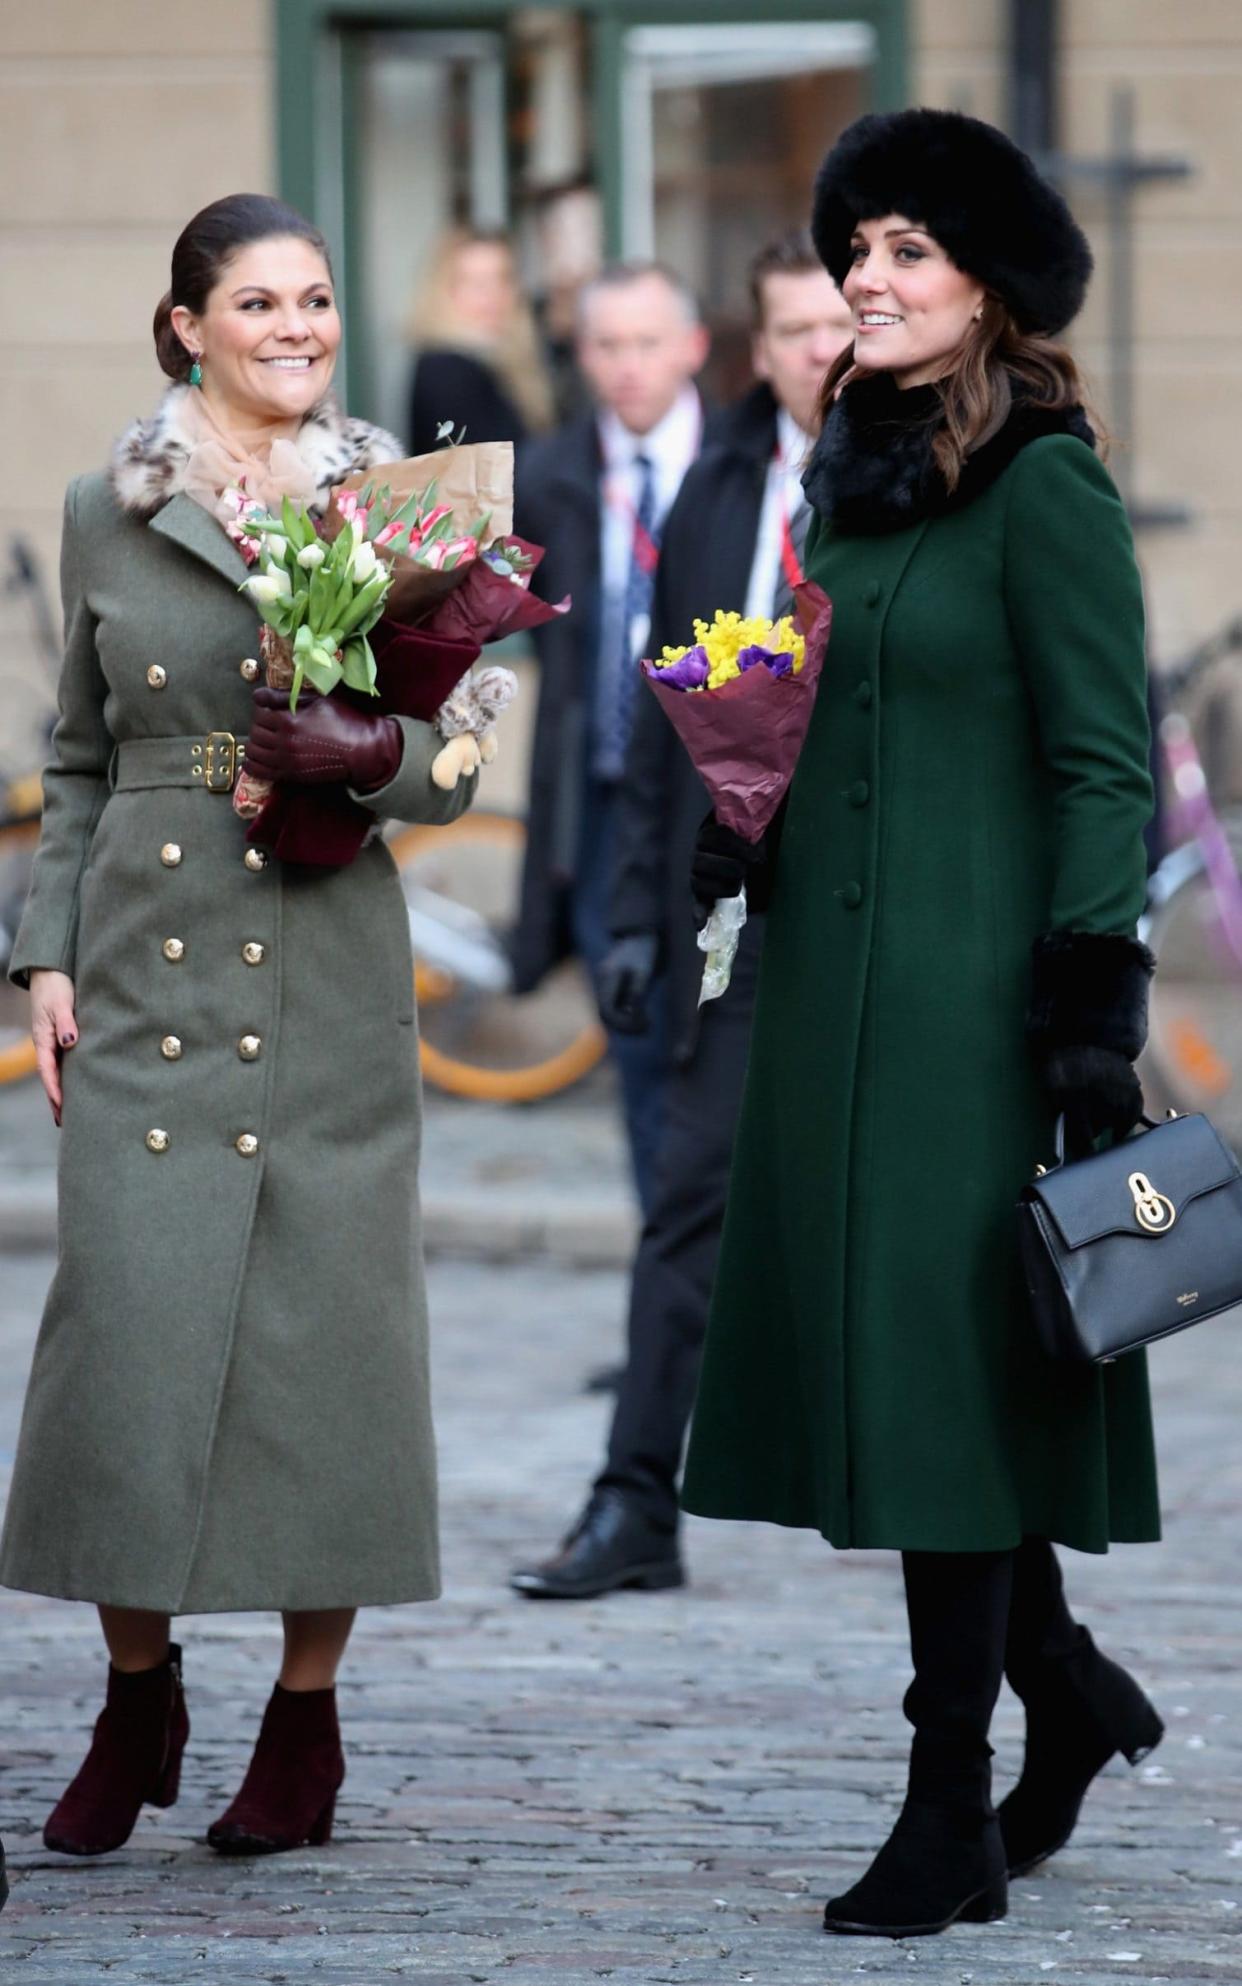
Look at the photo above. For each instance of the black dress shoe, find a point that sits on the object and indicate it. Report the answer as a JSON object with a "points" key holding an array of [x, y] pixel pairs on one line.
{"points": [[612, 1545]]}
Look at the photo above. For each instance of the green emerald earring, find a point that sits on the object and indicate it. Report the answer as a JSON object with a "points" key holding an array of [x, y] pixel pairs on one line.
{"points": [[196, 370]]}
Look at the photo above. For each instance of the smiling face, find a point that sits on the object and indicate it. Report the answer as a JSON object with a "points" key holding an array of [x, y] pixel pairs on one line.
{"points": [[911, 305], [268, 335]]}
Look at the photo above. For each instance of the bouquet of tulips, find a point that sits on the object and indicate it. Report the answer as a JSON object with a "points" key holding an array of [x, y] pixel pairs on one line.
{"points": [[320, 598], [390, 596], [740, 697]]}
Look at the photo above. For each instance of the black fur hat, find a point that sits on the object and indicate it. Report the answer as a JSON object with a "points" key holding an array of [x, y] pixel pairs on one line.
{"points": [[974, 191]]}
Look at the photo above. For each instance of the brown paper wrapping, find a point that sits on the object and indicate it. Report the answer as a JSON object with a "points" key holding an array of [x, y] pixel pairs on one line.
{"points": [[473, 480]]}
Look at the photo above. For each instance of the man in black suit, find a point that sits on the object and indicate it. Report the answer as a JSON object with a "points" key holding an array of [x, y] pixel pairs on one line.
{"points": [[596, 493], [733, 540]]}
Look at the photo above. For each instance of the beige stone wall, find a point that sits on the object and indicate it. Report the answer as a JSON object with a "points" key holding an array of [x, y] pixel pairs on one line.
{"points": [[1184, 64], [118, 119]]}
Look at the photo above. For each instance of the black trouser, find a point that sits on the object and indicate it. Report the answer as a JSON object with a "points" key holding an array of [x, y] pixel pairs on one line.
{"points": [[671, 1287]]}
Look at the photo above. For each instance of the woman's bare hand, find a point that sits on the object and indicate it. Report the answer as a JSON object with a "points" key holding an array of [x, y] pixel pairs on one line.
{"points": [[54, 1026]]}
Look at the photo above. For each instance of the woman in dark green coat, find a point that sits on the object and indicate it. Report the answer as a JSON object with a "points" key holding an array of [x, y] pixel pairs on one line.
{"points": [[229, 1401], [950, 960]]}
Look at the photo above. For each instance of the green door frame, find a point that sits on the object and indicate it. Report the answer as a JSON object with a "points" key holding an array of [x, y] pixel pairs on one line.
{"points": [[313, 83]]}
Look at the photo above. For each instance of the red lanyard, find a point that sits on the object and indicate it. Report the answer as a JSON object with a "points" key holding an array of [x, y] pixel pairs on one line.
{"points": [[645, 544], [791, 565]]}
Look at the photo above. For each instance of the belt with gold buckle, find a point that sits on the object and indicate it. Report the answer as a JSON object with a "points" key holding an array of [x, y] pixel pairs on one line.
{"points": [[217, 761]]}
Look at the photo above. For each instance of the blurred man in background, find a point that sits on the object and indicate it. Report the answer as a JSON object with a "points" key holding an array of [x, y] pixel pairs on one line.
{"points": [[596, 493], [733, 540]]}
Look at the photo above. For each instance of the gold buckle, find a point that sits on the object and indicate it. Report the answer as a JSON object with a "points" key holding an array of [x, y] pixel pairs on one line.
{"points": [[221, 757]]}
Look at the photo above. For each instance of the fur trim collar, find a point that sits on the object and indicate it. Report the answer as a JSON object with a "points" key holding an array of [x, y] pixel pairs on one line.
{"points": [[148, 462], [873, 468]]}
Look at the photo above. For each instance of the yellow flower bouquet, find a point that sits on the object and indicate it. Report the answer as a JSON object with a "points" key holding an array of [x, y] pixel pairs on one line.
{"points": [[740, 698]]}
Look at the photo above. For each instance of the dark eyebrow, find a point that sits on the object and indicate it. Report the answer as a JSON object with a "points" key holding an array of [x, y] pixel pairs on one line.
{"points": [[257, 289], [889, 233]]}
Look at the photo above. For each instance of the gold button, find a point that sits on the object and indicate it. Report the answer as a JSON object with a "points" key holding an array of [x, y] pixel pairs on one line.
{"points": [[256, 859], [253, 953], [174, 950], [248, 1047], [247, 1144], [157, 1141], [170, 1048], [170, 855], [250, 669], [156, 676]]}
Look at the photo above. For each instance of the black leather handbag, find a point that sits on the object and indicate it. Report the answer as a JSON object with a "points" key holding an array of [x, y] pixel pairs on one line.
{"points": [[1128, 1245]]}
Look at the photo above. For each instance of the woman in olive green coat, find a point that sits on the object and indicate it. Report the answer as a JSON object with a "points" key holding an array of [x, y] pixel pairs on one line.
{"points": [[229, 1401], [950, 959]]}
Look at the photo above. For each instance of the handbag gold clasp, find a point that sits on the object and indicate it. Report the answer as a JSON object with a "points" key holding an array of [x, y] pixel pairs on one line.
{"points": [[1154, 1213]]}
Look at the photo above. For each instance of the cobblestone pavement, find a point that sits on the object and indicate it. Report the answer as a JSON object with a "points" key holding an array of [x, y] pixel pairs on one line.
{"points": [[652, 1788]]}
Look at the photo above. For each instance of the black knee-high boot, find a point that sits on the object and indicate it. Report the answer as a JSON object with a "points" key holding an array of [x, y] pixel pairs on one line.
{"points": [[945, 1859], [1080, 1709]]}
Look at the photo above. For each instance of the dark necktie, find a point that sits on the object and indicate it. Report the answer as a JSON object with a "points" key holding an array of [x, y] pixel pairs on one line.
{"points": [[618, 675], [783, 599]]}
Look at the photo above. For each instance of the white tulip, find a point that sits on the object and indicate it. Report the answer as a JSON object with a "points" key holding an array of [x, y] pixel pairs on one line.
{"points": [[275, 544], [310, 556], [363, 563], [269, 587]]}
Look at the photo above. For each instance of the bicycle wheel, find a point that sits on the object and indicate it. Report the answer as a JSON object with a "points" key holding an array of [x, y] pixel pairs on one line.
{"points": [[1194, 1054], [18, 840], [477, 1039]]}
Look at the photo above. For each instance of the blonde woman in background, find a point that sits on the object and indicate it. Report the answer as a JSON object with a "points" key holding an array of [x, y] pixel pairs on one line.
{"points": [[480, 364]]}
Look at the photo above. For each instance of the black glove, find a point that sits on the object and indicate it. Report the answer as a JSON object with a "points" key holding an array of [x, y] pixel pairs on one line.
{"points": [[1097, 1090], [323, 741], [722, 863], [624, 981]]}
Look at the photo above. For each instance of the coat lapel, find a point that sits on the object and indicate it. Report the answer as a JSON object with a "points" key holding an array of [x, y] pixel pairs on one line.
{"points": [[189, 525]]}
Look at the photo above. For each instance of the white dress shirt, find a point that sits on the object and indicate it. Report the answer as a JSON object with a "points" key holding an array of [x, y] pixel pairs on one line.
{"points": [[670, 447], [782, 497]]}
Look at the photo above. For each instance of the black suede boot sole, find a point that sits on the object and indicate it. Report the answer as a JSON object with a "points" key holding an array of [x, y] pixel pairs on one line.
{"points": [[988, 1906]]}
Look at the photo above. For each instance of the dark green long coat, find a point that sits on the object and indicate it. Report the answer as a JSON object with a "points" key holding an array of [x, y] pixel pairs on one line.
{"points": [[975, 774], [229, 1401]]}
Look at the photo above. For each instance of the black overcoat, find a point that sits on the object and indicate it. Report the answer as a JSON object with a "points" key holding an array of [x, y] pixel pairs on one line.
{"points": [[705, 560], [558, 506], [448, 385]]}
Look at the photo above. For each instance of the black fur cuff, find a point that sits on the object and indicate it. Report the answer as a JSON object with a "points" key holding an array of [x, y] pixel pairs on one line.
{"points": [[1089, 990]]}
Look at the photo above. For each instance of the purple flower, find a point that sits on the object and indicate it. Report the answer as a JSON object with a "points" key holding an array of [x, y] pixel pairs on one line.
{"points": [[780, 664], [690, 673]]}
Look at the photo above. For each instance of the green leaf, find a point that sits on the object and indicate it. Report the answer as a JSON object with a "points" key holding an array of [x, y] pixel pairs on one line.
{"points": [[298, 530], [366, 602], [323, 671]]}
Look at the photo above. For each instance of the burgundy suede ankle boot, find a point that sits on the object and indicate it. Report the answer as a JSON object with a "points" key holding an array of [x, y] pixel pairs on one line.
{"points": [[288, 1796], [134, 1760]]}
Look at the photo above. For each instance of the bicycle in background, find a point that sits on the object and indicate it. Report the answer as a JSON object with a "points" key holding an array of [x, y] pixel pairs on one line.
{"points": [[1193, 1059]]}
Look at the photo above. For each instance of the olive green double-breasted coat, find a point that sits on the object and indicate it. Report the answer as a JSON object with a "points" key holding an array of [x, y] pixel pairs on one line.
{"points": [[229, 1401], [975, 775]]}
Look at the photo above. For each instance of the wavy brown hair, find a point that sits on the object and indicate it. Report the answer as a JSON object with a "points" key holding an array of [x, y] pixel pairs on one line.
{"points": [[977, 386]]}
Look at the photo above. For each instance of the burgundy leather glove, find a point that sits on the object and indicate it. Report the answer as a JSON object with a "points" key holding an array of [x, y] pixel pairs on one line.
{"points": [[323, 741]]}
